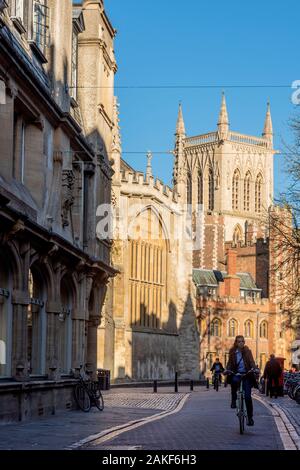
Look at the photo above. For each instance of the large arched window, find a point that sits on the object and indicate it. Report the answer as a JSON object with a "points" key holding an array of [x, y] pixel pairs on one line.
{"points": [[247, 184], [215, 327], [237, 234], [200, 187], [258, 193], [232, 328], [235, 189], [263, 329], [248, 326], [148, 258], [211, 195]]}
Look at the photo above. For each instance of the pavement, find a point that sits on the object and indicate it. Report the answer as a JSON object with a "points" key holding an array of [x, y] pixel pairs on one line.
{"points": [[61, 431], [136, 418]]}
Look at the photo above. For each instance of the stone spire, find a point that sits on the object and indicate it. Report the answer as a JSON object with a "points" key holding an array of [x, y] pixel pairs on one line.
{"points": [[178, 167], [268, 127], [149, 165], [180, 129], [223, 122]]}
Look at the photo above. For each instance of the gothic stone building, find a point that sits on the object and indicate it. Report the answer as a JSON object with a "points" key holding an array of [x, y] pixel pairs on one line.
{"points": [[157, 319], [55, 141], [230, 177]]}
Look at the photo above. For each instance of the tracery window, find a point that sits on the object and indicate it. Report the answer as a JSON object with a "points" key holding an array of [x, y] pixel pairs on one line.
{"points": [[263, 329], [258, 193], [189, 191], [237, 235], [248, 329], [148, 278], [247, 183], [232, 328], [200, 187], [215, 327], [235, 189], [211, 196]]}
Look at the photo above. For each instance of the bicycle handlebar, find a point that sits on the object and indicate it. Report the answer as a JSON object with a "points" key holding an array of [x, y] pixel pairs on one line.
{"points": [[230, 372]]}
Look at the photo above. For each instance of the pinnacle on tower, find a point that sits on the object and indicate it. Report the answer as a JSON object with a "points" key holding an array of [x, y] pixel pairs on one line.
{"points": [[268, 127], [149, 165], [223, 122], [180, 129]]}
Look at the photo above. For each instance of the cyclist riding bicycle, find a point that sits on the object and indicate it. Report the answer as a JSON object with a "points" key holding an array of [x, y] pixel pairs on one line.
{"points": [[240, 362], [217, 369]]}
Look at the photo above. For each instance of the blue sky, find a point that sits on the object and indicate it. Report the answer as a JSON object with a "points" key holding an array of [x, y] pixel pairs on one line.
{"points": [[216, 43]]}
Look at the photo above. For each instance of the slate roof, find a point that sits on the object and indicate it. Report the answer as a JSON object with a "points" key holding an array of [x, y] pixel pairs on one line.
{"points": [[209, 277]]}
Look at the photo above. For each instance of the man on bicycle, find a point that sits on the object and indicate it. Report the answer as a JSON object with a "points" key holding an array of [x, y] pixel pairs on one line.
{"points": [[240, 362], [217, 369]]}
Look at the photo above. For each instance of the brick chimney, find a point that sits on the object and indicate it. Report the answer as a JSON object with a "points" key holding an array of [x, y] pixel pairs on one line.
{"points": [[232, 281]]}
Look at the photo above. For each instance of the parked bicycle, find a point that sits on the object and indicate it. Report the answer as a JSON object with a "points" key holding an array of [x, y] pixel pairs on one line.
{"points": [[241, 410], [291, 386], [88, 393]]}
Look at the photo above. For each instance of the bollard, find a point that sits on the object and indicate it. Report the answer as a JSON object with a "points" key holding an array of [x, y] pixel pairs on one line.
{"points": [[155, 386], [176, 382], [207, 383], [192, 385]]}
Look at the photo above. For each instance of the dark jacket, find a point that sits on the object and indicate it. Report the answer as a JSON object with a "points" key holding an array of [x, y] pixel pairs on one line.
{"points": [[272, 369], [248, 361], [214, 366]]}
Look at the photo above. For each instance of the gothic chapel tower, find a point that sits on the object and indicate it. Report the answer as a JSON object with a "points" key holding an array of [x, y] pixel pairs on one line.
{"points": [[230, 176]]}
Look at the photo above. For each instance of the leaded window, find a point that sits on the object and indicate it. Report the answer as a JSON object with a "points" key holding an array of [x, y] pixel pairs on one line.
{"points": [[263, 330], [74, 65], [235, 190], [41, 24], [200, 187], [258, 193], [211, 196], [248, 329], [215, 327], [247, 191], [232, 328]]}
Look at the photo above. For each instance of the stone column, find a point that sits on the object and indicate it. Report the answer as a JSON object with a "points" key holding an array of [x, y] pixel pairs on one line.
{"points": [[91, 351], [53, 309], [20, 301]]}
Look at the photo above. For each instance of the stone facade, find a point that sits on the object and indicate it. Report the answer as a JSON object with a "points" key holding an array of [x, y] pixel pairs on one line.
{"points": [[224, 180], [55, 144]]}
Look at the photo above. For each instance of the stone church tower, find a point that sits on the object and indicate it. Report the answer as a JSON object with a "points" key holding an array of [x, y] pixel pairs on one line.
{"points": [[228, 178]]}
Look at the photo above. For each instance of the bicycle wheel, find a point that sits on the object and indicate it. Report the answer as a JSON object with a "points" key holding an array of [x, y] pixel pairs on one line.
{"points": [[82, 398], [217, 384], [297, 395], [241, 415], [98, 400]]}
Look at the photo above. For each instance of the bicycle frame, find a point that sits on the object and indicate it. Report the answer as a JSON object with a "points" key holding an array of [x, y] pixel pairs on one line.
{"points": [[241, 411], [88, 393]]}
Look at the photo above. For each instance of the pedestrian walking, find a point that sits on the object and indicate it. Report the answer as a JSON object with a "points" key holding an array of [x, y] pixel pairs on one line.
{"points": [[272, 374]]}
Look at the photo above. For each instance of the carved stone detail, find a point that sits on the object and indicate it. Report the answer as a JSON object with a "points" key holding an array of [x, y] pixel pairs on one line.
{"points": [[68, 180]]}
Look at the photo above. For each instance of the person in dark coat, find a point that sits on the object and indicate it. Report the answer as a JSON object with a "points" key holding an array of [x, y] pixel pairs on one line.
{"points": [[272, 373], [241, 361], [217, 368]]}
